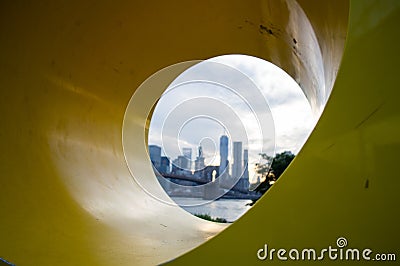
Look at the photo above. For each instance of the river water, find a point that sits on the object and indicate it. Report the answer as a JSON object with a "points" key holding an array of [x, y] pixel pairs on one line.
{"points": [[229, 209]]}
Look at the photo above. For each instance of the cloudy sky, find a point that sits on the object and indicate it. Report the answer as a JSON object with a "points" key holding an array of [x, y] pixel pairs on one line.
{"points": [[246, 98]]}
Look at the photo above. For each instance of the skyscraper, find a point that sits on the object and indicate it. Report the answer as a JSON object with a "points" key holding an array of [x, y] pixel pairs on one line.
{"points": [[187, 152], [245, 177], [240, 168], [199, 163], [164, 166], [223, 153], [179, 164], [237, 159], [245, 164], [155, 155]]}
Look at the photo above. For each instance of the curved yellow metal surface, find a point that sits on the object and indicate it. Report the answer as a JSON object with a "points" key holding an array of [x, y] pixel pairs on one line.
{"points": [[68, 70]]}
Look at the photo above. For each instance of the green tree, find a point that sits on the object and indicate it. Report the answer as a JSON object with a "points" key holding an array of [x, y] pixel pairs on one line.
{"points": [[272, 168], [265, 170], [281, 162], [264, 167]]}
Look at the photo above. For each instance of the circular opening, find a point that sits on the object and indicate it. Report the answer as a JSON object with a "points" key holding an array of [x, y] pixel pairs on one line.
{"points": [[219, 127]]}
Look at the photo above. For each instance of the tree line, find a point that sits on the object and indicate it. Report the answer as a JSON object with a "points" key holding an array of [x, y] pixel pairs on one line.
{"points": [[272, 168]]}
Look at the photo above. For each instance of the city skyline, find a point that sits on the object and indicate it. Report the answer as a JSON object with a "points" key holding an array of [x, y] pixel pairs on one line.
{"points": [[290, 109], [177, 175], [239, 167]]}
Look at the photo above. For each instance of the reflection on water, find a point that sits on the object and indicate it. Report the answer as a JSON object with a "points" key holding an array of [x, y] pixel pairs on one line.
{"points": [[229, 209]]}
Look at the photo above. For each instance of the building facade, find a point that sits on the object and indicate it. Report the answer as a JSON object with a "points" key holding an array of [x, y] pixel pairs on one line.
{"points": [[199, 162], [223, 153], [155, 155], [187, 152], [164, 166], [237, 159]]}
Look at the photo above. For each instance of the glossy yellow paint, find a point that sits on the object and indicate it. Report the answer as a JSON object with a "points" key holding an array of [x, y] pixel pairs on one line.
{"points": [[68, 70]]}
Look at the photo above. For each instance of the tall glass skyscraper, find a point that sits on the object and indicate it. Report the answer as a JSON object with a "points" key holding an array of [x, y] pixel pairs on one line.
{"points": [[237, 159], [187, 153], [245, 182], [223, 153], [245, 165], [199, 162]]}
